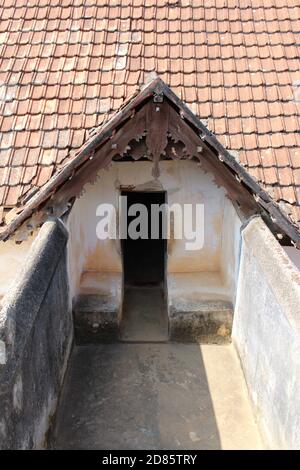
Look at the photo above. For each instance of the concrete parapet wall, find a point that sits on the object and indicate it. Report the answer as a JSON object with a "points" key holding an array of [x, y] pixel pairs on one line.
{"points": [[266, 332], [35, 338]]}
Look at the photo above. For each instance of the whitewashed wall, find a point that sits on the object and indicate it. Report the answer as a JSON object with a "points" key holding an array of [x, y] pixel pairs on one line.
{"points": [[12, 258], [294, 255], [266, 332], [185, 182], [230, 249]]}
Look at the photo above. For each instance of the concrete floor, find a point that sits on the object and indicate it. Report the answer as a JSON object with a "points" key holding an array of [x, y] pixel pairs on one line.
{"points": [[155, 396], [144, 315]]}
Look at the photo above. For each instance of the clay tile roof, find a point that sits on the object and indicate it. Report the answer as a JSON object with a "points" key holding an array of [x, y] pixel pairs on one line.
{"points": [[67, 65]]}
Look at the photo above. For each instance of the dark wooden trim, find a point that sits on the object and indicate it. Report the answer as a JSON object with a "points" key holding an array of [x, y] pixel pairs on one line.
{"points": [[83, 154], [263, 198], [215, 157]]}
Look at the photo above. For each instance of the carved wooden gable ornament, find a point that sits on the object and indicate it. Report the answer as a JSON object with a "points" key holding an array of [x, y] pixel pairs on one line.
{"points": [[155, 125]]}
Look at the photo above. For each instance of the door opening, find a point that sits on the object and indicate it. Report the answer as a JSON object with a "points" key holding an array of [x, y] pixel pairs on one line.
{"points": [[144, 314], [144, 259]]}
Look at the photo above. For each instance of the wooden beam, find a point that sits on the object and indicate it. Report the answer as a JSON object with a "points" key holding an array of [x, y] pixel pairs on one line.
{"points": [[187, 129], [83, 155], [132, 129], [223, 176], [265, 200], [157, 121]]}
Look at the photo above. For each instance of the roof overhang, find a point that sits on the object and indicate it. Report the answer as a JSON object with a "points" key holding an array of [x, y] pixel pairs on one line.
{"points": [[112, 139]]}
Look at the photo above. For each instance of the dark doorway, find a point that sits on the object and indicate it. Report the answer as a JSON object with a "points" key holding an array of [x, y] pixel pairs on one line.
{"points": [[144, 316], [144, 259]]}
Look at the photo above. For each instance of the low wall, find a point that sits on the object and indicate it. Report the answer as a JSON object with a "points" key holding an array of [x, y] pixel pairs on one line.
{"points": [[35, 339], [12, 257], [266, 332]]}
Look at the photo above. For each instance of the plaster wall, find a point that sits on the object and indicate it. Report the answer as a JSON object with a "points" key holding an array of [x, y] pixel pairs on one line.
{"points": [[266, 332], [294, 255], [12, 258], [230, 249], [184, 182]]}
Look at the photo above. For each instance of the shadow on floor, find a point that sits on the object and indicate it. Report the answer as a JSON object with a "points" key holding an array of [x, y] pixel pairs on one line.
{"points": [[136, 396]]}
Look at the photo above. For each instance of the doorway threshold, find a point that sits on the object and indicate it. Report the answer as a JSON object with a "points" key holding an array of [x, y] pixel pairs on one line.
{"points": [[144, 316]]}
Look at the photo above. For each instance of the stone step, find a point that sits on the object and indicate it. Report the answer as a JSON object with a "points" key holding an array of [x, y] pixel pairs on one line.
{"points": [[204, 322], [96, 319]]}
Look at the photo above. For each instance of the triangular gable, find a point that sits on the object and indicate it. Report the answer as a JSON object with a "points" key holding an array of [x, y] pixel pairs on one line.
{"points": [[154, 123]]}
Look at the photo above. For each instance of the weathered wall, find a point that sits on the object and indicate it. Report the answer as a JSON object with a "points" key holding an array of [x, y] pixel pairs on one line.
{"points": [[230, 249], [35, 339], [184, 181], [294, 255], [266, 332], [12, 258]]}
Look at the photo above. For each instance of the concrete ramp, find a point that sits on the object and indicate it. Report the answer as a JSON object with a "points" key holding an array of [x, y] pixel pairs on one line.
{"points": [[144, 316]]}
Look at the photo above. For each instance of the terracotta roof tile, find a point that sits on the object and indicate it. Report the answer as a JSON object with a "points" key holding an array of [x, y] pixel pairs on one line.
{"points": [[64, 68]]}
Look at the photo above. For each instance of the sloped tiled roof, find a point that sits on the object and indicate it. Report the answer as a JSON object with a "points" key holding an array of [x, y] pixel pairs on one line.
{"points": [[66, 65]]}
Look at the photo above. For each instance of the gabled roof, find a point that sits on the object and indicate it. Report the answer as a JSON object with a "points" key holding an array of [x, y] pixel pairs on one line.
{"points": [[135, 120], [67, 65]]}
